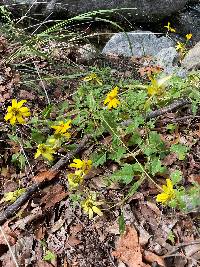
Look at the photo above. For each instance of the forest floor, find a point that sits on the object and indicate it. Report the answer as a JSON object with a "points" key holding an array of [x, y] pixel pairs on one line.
{"points": [[48, 228]]}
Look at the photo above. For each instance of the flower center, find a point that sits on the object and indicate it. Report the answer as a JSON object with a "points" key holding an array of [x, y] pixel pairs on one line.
{"points": [[15, 111]]}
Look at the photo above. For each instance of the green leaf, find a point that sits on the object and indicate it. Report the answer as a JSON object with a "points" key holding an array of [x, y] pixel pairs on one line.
{"points": [[122, 224], [156, 166], [118, 154], [19, 159], [99, 159], [171, 127], [171, 237], [37, 136], [134, 188], [125, 175], [180, 150], [14, 138], [176, 176], [137, 168], [46, 112], [49, 256], [155, 144], [135, 139]]}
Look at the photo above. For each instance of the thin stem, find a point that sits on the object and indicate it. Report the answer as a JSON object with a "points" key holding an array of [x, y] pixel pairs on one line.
{"points": [[42, 83]]}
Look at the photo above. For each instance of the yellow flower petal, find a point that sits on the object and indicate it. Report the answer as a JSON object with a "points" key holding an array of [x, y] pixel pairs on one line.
{"points": [[37, 154], [8, 116], [97, 211], [13, 120], [20, 119], [20, 103], [90, 213], [14, 103]]}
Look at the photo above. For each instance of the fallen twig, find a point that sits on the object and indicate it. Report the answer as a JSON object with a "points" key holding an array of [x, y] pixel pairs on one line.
{"points": [[156, 113], [173, 106], [13, 208]]}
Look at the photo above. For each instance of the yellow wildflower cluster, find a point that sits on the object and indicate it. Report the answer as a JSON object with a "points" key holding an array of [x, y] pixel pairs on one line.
{"points": [[181, 47], [82, 168], [157, 86], [53, 142], [168, 193], [93, 78], [90, 206], [111, 99], [16, 113], [61, 129]]}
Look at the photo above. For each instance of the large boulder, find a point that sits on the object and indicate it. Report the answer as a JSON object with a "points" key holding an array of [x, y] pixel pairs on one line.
{"points": [[192, 59], [140, 10], [189, 21], [137, 44]]}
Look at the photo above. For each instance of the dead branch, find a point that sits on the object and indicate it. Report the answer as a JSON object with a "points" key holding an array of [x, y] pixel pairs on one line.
{"points": [[156, 113], [172, 107], [11, 210]]}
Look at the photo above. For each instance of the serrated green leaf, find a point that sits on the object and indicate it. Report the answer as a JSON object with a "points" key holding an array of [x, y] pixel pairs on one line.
{"points": [[49, 256], [118, 154], [155, 144], [135, 139], [180, 150], [156, 166], [125, 175], [137, 168], [176, 176], [122, 224], [99, 159], [14, 138], [37, 136]]}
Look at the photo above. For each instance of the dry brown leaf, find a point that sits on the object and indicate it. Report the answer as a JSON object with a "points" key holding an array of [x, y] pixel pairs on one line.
{"points": [[45, 176], [10, 235], [26, 95], [55, 194], [150, 257], [72, 241], [75, 229], [128, 249]]}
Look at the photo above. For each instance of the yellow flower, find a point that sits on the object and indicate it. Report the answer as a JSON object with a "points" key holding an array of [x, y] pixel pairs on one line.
{"points": [[89, 206], [111, 98], [16, 113], [53, 142], [180, 46], [168, 193], [169, 28], [46, 151], [92, 78], [188, 36], [75, 179], [84, 165], [157, 86], [62, 127]]}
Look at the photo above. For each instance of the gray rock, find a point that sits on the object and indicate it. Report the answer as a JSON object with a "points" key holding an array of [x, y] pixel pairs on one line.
{"points": [[145, 10], [138, 44], [192, 59], [87, 52], [167, 57]]}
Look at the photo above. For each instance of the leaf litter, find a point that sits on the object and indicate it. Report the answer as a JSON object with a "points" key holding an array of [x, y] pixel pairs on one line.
{"points": [[48, 222]]}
